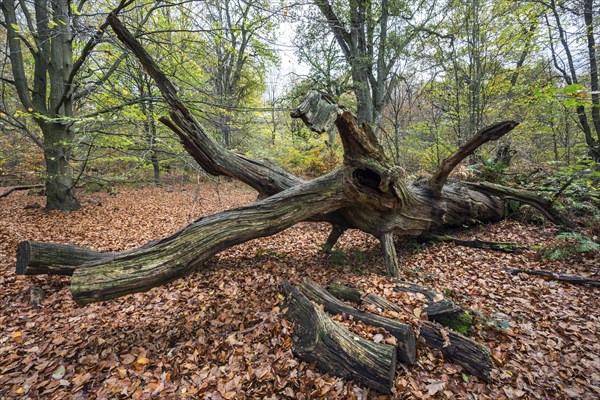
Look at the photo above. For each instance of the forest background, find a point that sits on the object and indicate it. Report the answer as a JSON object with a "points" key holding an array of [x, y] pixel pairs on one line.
{"points": [[77, 111]]}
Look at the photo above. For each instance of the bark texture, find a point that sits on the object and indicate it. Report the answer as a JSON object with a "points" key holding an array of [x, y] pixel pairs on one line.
{"points": [[319, 339], [473, 357]]}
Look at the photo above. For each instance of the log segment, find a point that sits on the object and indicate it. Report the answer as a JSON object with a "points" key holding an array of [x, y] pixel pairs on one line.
{"points": [[472, 356], [334, 349]]}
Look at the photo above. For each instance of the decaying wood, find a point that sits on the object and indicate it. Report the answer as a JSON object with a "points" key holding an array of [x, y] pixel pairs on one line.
{"points": [[504, 247], [473, 357], [402, 332], [344, 292], [493, 132], [439, 308], [23, 187], [317, 338], [555, 276], [368, 193], [35, 258], [545, 206]]}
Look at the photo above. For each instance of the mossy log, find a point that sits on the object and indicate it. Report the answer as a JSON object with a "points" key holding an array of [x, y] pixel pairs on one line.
{"points": [[473, 357], [335, 349], [402, 332]]}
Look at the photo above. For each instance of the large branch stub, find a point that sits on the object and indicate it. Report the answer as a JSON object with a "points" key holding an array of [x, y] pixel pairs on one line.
{"points": [[318, 111], [493, 132]]}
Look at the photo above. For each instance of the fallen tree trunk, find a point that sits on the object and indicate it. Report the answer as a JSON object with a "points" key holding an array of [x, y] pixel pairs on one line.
{"points": [[23, 187], [319, 339], [473, 357], [366, 193]]}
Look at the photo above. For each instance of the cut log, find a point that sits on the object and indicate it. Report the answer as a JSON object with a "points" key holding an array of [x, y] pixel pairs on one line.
{"points": [[35, 258], [473, 357], [344, 292], [336, 350], [439, 309], [402, 332], [555, 276]]}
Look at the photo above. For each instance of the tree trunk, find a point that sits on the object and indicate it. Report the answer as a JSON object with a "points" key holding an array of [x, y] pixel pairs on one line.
{"points": [[59, 174]]}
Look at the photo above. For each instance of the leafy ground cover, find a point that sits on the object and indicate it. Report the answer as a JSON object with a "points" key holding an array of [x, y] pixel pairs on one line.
{"points": [[221, 333]]}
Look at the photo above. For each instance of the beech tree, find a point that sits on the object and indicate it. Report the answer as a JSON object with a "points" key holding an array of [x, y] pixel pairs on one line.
{"points": [[42, 34]]}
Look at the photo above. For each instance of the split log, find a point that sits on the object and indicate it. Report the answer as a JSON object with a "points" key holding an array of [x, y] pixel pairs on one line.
{"points": [[402, 332], [472, 356], [335, 349], [555, 276]]}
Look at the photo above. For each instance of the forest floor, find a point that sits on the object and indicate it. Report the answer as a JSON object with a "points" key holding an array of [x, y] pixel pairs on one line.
{"points": [[220, 333]]}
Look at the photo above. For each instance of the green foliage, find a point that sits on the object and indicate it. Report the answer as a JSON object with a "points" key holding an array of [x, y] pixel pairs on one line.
{"points": [[489, 170], [571, 243], [461, 323]]}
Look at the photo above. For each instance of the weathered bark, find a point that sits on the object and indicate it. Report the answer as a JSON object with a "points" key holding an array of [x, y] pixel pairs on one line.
{"points": [[186, 250], [473, 357], [317, 338], [390, 258], [402, 332], [35, 258], [470, 355], [555, 276]]}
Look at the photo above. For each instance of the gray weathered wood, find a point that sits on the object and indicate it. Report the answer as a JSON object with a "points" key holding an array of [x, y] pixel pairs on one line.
{"points": [[402, 332], [336, 350]]}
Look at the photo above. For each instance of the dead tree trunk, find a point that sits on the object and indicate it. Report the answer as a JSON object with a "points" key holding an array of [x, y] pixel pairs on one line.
{"points": [[367, 193]]}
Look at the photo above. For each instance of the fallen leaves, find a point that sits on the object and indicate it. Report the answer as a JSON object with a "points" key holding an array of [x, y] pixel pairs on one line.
{"points": [[220, 333]]}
